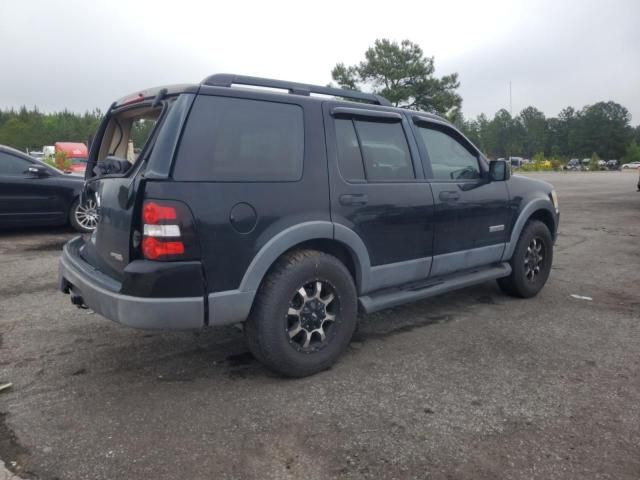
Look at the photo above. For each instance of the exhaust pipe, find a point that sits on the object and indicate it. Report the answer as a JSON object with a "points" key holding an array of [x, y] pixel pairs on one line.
{"points": [[78, 301]]}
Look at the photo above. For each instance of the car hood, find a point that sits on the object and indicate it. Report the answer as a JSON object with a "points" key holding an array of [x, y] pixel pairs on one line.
{"points": [[527, 183]]}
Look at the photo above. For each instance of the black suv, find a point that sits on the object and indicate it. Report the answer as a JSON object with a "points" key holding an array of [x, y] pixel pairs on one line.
{"points": [[294, 210]]}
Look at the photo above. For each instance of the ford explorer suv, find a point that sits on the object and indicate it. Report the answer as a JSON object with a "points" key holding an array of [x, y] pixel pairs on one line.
{"points": [[290, 209]]}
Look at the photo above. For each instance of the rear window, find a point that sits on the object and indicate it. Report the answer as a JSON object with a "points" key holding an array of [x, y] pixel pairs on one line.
{"points": [[231, 139]]}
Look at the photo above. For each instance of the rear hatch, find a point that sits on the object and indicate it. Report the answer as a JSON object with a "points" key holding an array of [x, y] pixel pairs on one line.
{"points": [[151, 127]]}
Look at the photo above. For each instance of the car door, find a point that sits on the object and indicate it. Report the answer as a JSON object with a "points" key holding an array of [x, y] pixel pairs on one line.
{"points": [[378, 191], [26, 198], [471, 211]]}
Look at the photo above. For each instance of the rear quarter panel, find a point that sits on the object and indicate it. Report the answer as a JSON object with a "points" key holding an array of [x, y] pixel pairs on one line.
{"points": [[227, 253]]}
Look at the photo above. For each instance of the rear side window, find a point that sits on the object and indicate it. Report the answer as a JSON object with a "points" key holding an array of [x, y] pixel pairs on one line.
{"points": [[231, 139], [375, 151], [12, 165]]}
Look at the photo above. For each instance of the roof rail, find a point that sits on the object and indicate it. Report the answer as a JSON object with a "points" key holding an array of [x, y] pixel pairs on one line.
{"points": [[229, 79]]}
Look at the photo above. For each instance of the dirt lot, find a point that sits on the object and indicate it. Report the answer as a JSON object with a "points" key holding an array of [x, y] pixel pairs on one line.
{"points": [[469, 385]]}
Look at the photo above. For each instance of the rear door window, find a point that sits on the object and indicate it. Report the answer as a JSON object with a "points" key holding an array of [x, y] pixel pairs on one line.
{"points": [[349, 155], [375, 151], [231, 139]]}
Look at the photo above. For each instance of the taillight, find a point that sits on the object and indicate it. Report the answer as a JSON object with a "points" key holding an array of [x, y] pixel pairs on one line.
{"points": [[154, 249], [153, 213], [167, 231]]}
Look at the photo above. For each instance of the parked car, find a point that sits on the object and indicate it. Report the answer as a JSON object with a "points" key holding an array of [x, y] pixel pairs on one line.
{"points": [[291, 212], [76, 153], [518, 161], [613, 165], [631, 165], [33, 193], [37, 155], [573, 164]]}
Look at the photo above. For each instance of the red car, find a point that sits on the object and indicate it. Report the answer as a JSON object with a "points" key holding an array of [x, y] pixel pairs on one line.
{"points": [[77, 153]]}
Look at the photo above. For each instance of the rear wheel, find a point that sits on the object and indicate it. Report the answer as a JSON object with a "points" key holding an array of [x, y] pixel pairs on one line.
{"points": [[304, 314], [531, 262], [84, 217]]}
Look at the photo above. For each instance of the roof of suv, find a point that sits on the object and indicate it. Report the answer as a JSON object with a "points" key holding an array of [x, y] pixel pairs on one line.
{"points": [[294, 88]]}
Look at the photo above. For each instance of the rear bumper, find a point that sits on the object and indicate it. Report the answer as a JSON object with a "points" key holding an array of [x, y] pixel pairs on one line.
{"points": [[102, 294]]}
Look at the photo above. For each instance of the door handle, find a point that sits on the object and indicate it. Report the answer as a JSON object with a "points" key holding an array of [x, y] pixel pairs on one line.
{"points": [[354, 199], [449, 196]]}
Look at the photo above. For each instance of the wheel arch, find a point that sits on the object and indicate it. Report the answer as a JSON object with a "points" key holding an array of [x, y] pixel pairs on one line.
{"points": [[538, 209], [546, 217], [341, 242], [233, 306], [70, 204]]}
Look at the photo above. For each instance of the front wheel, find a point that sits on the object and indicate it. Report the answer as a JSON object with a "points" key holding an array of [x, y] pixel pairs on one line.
{"points": [[84, 217], [304, 314], [530, 263]]}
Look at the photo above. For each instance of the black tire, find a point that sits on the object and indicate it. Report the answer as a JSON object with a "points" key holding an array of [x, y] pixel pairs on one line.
{"points": [[76, 223], [270, 324], [525, 281]]}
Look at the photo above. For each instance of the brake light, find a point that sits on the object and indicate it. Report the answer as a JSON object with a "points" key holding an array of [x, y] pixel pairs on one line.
{"points": [[153, 249], [162, 237], [152, 213], [132, 99]]}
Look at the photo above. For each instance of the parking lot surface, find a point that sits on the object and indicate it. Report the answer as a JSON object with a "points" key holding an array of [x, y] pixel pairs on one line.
{"points": [[472, 384]]}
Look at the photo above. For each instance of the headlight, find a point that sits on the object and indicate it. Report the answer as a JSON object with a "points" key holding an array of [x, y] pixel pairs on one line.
{"points": [[554, 200]]}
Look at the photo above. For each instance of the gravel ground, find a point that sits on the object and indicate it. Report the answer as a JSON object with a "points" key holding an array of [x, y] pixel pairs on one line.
{"points": [[472, 384]]}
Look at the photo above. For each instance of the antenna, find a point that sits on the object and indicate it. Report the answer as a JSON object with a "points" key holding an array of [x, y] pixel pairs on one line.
{"points": [[510, 101]]}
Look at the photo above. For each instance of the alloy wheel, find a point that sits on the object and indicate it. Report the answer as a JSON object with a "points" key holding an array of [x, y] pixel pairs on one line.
{"points": [[87, 215], [311, 316], [534, 259]]}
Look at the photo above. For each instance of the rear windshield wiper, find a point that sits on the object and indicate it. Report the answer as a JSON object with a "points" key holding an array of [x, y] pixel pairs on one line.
{"points": [[159, 97]]}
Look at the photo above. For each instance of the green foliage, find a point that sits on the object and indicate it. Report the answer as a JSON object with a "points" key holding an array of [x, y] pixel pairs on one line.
{"points": [[140, 131], [402, 74], [593, 164], [603, 127], [541, 164], [632, 152], [30, 129], [539, 157], [534, 131], [61, 161]]}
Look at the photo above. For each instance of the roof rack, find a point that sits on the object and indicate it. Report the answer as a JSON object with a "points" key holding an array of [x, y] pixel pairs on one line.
{"points": [[229, 79]]}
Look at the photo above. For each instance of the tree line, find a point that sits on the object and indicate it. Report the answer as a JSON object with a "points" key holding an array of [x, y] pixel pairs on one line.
{"points": [[602, 128], [31, 129], [404, 75]]}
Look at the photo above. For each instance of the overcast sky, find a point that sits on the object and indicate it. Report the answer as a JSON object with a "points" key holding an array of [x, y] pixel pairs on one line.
{"points": [[81, 54]]}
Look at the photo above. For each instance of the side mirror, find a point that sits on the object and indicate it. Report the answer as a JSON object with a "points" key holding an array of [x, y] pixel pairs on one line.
{"points": [[38, 171], [499, 171]]}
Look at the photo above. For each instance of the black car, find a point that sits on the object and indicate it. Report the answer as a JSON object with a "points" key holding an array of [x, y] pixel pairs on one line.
{"points": [[34, 194], [294, 211]]}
